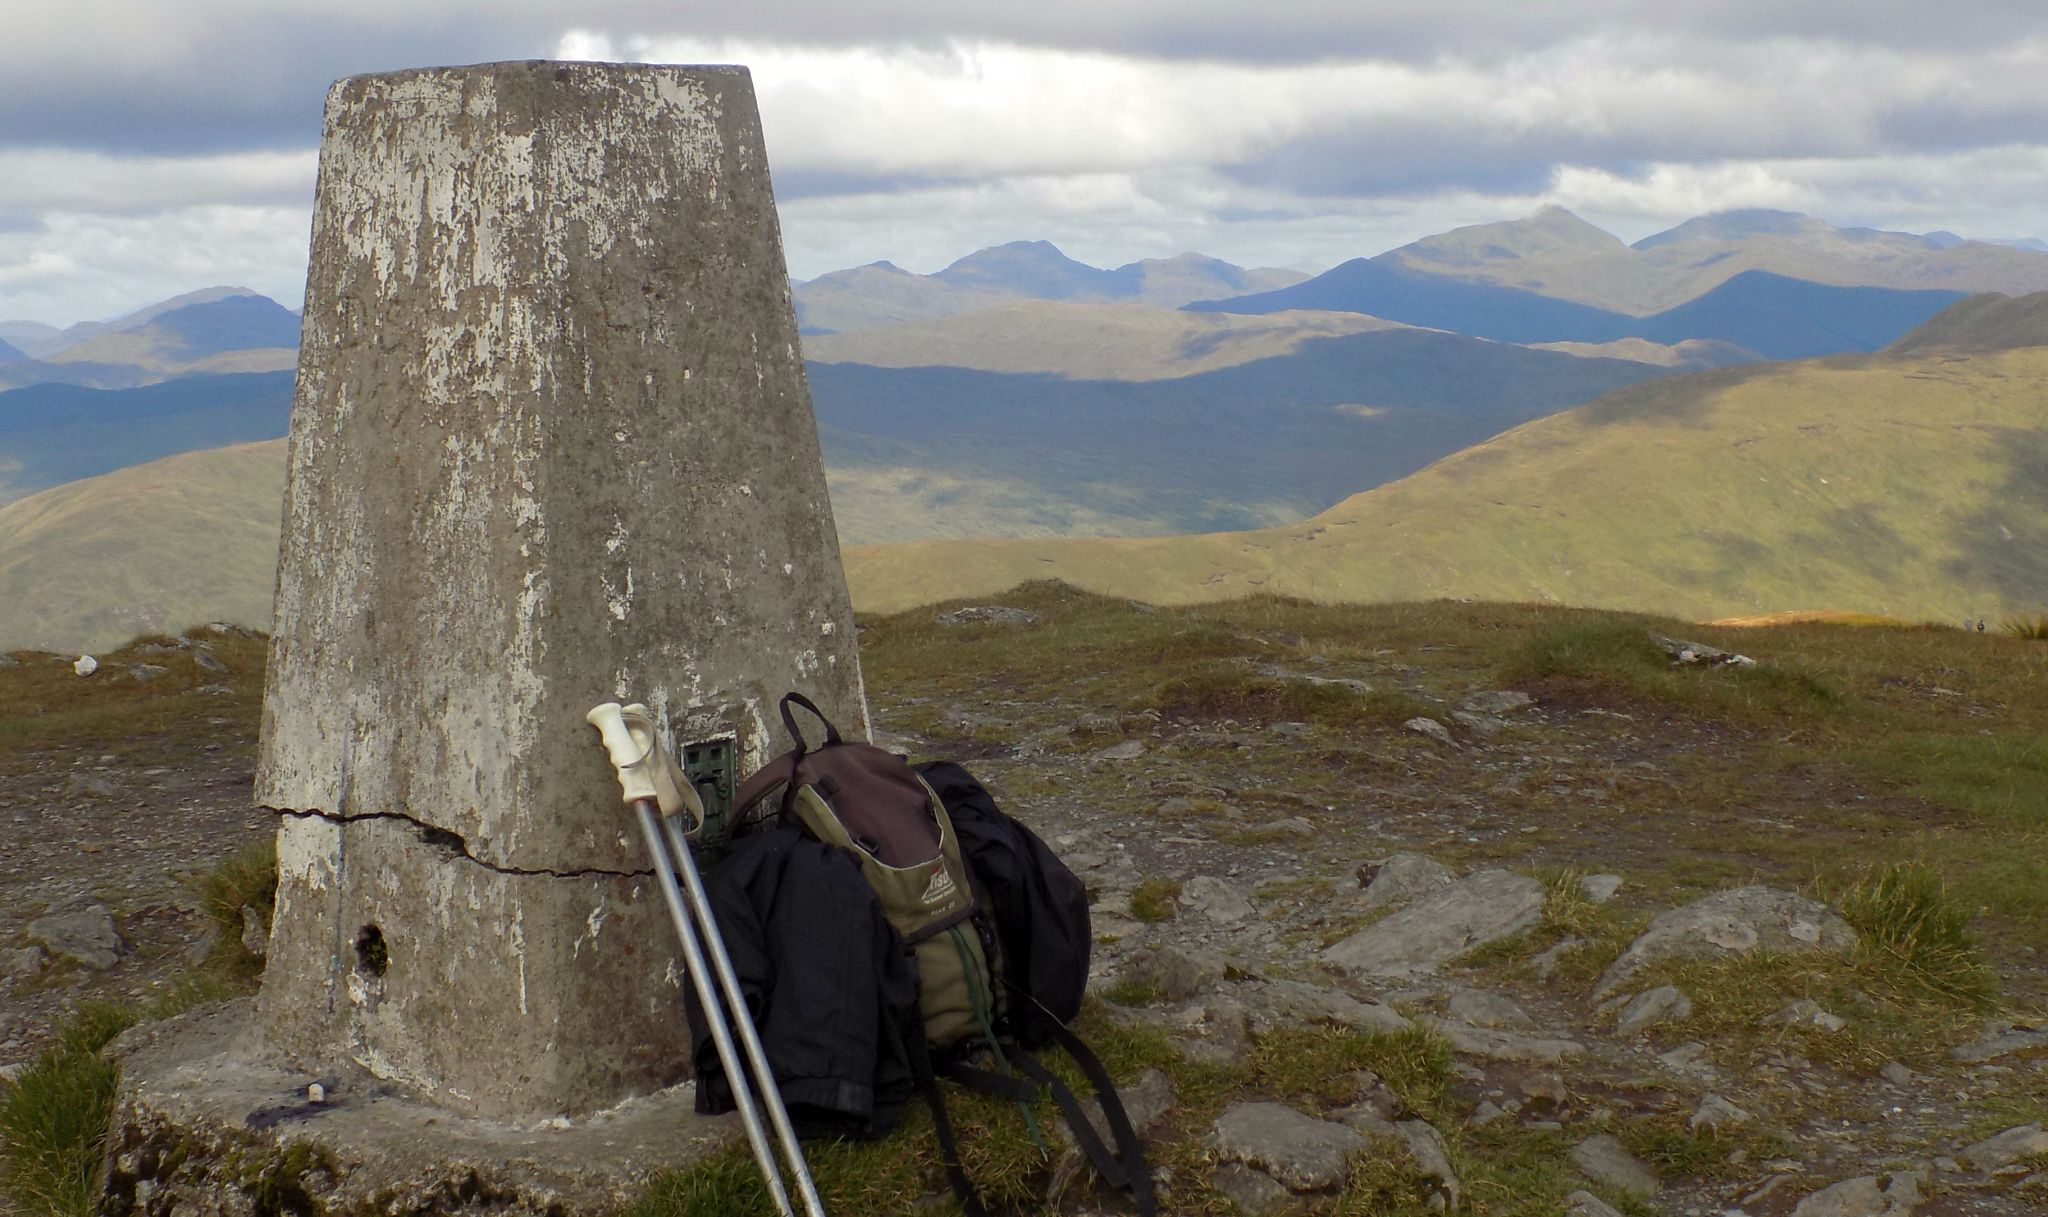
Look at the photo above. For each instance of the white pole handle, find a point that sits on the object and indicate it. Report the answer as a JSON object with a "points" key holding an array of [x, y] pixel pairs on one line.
{"points": [[631, 755]]}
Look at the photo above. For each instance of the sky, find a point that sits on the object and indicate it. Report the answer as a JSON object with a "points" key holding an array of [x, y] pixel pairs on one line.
{"points": [[149, 148]]}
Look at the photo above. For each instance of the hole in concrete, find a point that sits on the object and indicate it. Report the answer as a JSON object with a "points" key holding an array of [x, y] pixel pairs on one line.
{"points": [[372, 956]]}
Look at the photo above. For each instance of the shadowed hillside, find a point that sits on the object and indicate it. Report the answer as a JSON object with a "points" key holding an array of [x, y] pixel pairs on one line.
{"points": [[1909, 486], [158, 547], [1772, 315]]}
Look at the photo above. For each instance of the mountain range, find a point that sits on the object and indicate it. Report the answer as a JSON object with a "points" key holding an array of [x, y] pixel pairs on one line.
{"points": [[1771, 315], [1019, 393], [882, 293], [1912, 483], [1557, 254], [223, 329]]}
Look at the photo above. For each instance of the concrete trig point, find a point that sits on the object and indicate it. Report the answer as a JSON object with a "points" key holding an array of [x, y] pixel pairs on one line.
{"points": [[552, 446]]}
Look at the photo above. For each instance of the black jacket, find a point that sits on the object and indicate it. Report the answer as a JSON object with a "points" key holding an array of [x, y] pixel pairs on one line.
{"points": [[826, 978]]}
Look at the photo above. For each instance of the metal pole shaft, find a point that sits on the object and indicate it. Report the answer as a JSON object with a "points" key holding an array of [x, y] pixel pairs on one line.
{"points": [[714, 1013], [721, 963]]}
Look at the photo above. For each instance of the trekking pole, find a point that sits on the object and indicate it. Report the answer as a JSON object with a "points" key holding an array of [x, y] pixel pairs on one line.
{"points": [[643, 773]]}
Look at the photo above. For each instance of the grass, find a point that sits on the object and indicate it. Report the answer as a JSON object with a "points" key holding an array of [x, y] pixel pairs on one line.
{"points": [[247, 880], [2034, 626], [1910, 929], [45, 706], [901, 1172], [1233, 692], [1155, 900], [53, 1119], [1614, 654]]}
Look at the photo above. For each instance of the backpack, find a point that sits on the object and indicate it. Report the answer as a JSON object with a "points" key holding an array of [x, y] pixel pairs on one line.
{"points": [[995, 927]]}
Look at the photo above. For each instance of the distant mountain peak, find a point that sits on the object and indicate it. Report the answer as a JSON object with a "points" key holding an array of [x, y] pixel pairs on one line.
{"points": [[1733, 225], [1552, 230]]}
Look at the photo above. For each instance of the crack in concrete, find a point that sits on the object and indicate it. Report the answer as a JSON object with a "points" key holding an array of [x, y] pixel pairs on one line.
{"points": [[441, 838]]}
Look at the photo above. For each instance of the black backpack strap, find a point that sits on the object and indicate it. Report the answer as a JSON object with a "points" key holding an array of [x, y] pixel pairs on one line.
{"points": [[1125, 1167], [789, 721], [1129, 1153], [949, 1151]]}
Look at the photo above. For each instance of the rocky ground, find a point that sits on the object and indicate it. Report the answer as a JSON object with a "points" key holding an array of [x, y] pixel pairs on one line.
{"points": [[1424, 937]]}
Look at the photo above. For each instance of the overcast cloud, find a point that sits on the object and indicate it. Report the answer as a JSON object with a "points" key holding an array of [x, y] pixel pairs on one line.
{"points": [[150, 148]]}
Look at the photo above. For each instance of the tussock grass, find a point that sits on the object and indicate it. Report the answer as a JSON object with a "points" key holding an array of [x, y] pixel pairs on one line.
{"points": [[1913, 931], [1614, 654], [1155, 900], [1230, 691], [53, 1119], [2033, 626], [247, 880]]}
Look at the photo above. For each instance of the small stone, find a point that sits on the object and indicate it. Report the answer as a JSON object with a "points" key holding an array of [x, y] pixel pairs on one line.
{"points": [[1172, 973], [987, 614], [1495, 701], [1716, 1112], [1548, 962], [255, 932], [1401, 879], [1686, 1058], [316, 1093], [1606, 1161], [1218, 900], [1806, 1012], [85, 665], [1599, 888], [1486, 1113], [1545, 1088], [1431, 728], [86, 935], [2008, 1147], [1897, 1074], [1298, 1002], [1128, 750], [1299, 1150], [23, 962], [207, 661], [1893, 1195], [1665, 1003], [1586, 1204], [90, 785]]}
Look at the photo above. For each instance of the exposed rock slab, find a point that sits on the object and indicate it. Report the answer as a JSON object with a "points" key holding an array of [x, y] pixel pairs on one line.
{"points": [[1892, 1195], [2008, 1147], [1432, 1160], [1481, 908], [1606, 1161], [1733, 922], [1293, 1001], [1497, 1044], [1665, 1003], [1299, 1150], [1402, 879]]}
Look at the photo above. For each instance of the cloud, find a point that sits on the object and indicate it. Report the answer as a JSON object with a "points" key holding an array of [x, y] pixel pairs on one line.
{"points": [[81, 266]]}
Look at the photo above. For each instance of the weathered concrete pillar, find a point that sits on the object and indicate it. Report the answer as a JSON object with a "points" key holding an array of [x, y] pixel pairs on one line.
{"points": [[552, 446]]}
